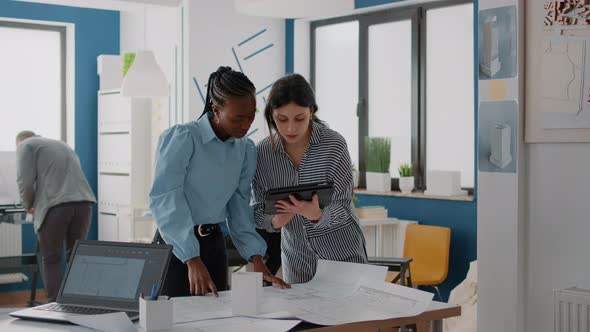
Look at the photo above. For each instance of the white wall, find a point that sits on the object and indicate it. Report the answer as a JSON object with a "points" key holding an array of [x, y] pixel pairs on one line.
{"points": [[213, 30], [501, 212], [155, 28], [559, 226]]}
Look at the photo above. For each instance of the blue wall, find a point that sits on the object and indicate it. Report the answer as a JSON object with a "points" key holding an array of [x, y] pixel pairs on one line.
{"points": [[460, 216], [96, 32]]}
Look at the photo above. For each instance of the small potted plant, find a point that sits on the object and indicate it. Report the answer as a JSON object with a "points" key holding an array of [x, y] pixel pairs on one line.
{"points": [[406, 178], [377, 156]]}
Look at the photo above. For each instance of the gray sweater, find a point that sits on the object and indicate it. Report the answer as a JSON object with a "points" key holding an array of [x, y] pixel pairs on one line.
{"points": [[49, 174]]}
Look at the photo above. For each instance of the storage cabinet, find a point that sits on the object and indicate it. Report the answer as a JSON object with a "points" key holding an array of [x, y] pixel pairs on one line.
{"points": [[124, 167]]}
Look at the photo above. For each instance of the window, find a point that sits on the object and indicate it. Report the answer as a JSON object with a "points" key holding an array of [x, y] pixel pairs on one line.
{"points": [[337, 61], [404, 73], [32, 84]]}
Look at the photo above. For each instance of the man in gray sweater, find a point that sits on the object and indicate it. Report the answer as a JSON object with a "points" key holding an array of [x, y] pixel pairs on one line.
{"points": [[55, 191]]}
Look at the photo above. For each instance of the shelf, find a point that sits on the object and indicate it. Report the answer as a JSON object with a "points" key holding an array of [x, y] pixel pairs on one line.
{"points": [[109, 92], [114, 132], [421, 195]]}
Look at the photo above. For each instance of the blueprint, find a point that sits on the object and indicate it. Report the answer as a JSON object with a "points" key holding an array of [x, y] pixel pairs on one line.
{"points": [[339, 293]]}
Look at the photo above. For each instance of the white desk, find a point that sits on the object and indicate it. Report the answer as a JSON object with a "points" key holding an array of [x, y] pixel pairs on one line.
{"points": [[385, 237], [434, 315]]}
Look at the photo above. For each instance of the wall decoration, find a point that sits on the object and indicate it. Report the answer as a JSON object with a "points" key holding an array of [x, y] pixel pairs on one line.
{"points": [[565, 99], [252, 48], [497, 43], [498, 128], [567, 12], [558, 82]]}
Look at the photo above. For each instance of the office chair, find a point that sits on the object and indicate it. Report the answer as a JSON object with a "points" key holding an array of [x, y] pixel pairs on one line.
{"points": [[426, 257]]}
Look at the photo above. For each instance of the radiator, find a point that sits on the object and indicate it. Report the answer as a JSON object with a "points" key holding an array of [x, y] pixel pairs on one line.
{"points": [[571, 308], [11, 245]]}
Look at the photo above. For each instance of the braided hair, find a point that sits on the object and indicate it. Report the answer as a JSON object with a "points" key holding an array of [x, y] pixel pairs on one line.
{"points": [[224, 83]]}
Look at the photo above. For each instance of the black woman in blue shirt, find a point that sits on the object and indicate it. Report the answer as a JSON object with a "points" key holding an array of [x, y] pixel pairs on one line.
{"points": [[203, 177]]}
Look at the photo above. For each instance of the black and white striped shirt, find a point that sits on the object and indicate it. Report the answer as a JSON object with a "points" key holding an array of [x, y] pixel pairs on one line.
{"points": [[337, 236]]}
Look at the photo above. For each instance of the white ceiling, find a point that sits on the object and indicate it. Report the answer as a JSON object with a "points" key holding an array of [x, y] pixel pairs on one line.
{"points": [[171, 3]]}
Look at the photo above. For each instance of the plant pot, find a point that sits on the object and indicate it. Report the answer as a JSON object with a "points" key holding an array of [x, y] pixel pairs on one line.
{"points": [[406, 184], [355, 178], [378, 182]]}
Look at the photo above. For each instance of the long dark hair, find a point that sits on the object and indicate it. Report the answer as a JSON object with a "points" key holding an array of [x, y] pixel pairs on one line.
{"points": [[292, 88], [224, 83]]}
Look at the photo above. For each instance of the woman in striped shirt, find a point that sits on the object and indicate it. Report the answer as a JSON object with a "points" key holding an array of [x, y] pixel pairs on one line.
{"points": [[301, 149]]}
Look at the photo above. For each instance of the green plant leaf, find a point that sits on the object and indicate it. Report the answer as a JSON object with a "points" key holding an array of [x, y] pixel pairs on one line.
{"points": [[378, 154], [405, 170]]}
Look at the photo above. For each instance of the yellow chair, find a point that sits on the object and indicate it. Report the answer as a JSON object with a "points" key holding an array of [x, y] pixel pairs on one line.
{"points": [[426, 251]]}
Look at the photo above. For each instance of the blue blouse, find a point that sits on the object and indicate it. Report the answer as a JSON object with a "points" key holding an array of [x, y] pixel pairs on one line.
{"points": [[200, 179]]}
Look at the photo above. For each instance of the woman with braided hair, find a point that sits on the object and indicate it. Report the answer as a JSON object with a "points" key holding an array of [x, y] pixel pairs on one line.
{"points": [[203, 174]]}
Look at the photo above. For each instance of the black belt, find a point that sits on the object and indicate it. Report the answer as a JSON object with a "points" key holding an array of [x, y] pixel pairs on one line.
{"points": [[207, 229]]}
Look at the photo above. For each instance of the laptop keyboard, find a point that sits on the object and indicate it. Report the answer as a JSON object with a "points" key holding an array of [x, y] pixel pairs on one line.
{"points": [[81, 310]]}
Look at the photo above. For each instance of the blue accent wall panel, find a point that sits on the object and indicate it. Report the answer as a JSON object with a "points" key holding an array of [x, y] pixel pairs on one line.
{"points": [[96, 32], [289, 46], [460, 216]]}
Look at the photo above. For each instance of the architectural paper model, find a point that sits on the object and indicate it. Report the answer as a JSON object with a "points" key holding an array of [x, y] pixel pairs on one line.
{"points": [[500, 145], [489, 60]]}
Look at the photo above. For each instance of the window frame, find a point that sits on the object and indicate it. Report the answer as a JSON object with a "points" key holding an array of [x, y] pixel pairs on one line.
{"points": [[61, 29], [415, 13]]}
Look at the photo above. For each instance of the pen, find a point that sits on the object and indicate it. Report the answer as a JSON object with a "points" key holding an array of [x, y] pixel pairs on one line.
{"points": [[154, 291]]}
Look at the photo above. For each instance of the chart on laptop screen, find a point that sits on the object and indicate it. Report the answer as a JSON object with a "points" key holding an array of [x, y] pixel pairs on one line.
{"points": [[102, 276]]}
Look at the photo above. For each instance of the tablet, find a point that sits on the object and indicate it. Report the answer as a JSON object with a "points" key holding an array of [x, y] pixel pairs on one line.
{"points": [[302, 192]]}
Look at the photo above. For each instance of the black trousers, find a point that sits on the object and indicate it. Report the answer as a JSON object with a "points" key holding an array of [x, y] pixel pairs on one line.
{"points": [[214, 257], [273, 250]]}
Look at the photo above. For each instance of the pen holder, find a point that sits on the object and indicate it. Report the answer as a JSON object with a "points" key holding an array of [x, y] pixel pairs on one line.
{"points": [[155, 315]]}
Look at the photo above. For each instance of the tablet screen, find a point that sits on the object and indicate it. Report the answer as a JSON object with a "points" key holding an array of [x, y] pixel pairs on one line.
{"points": [[302, 192]]}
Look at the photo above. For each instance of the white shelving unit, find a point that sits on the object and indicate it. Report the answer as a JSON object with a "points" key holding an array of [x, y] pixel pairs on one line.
{"points": [[385, 237], [124, 139]]}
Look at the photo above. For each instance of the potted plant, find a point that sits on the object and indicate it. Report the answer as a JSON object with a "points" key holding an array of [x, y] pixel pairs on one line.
{"points": [[377, 156], [355, 176], [406, 178]]}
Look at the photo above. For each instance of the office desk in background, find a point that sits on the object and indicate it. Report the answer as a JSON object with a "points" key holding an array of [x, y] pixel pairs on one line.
{"points": [[430, 320], [13, 263]]}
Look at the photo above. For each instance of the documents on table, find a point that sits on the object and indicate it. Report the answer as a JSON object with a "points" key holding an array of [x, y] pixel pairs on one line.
{"points": [[339, 279], [117, 321], [339, 293], [242, 324], [371, 301]]}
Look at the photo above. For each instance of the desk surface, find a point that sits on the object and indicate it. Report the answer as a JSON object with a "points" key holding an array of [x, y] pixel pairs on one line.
{"points": [[436, 311]]}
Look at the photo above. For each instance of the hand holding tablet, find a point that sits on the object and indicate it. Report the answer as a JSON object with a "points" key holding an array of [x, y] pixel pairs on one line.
{"points": [[304, 192]]}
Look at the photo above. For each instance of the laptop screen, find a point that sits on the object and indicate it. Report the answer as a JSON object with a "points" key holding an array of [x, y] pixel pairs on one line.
{"points": [[113, 274]]}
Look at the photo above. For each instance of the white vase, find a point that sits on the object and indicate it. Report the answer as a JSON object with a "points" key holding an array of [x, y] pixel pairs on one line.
{"points": [[378, 182], [406, 184], [355, 178]]}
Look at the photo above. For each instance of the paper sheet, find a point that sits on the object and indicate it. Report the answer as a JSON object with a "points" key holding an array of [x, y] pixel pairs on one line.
{"points": [[195, 308], [371, 301], [338, 279], [242, 324], [339, 293], [117, 321]]}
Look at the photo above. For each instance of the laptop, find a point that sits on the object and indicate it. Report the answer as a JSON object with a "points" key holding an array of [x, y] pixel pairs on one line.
{"points": [[104, 277]]}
